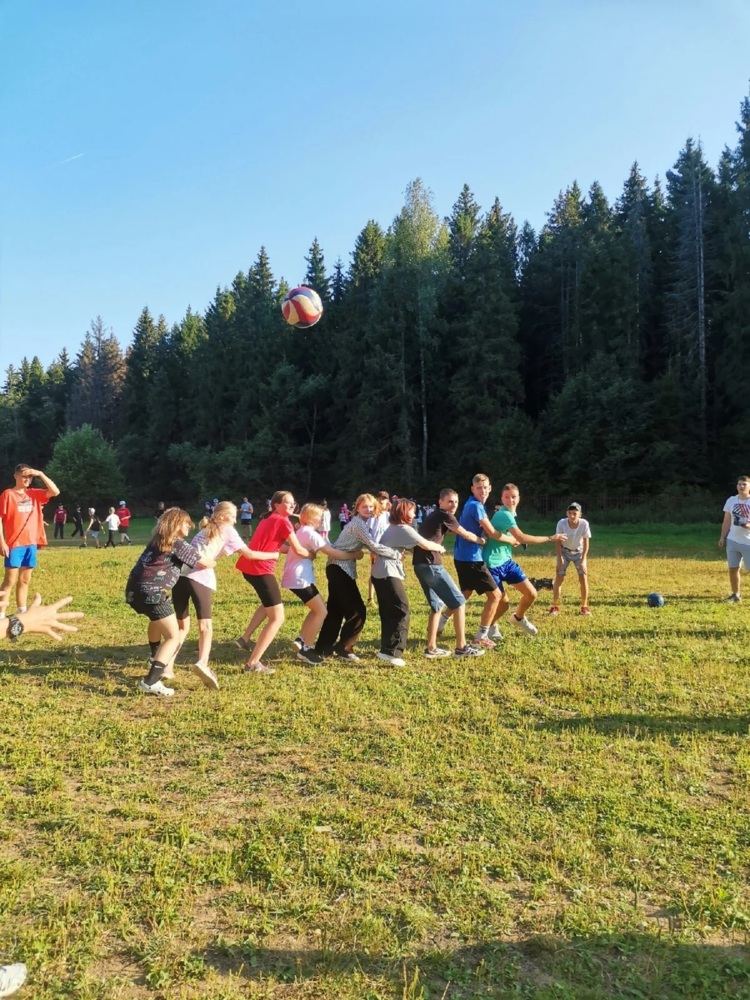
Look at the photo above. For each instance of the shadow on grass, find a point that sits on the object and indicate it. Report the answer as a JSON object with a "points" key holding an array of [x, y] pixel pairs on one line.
{"points": [[645, 726], [548, 967], [99, 663]]}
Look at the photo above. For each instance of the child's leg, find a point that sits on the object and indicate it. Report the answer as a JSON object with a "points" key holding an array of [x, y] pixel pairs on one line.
{"points": [[314, 621], [22, 587], [168, 631], [274, 620], [9, 581], [205, 639], [557, 585], [492, 602], [258, 617], [583, 581], [528, 595]]}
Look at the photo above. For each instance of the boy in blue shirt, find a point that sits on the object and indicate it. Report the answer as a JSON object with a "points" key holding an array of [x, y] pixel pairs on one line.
{"points": [[472, 573], [502, 569]]}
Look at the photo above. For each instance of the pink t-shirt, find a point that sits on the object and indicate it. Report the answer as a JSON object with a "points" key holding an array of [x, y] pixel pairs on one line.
{"points": [[226, 543], [270, 535]]}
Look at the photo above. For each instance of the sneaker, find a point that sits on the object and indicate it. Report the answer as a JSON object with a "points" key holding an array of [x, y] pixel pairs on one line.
{"points": [[299, 642], [308, 655], [495, 634], [484, 641], [258, 668], [467, 651], [524, 625], [12, 978], [585, 610], [395, 661], [436, 653], [206, 674], [242, 643], [344, 655], [156, 688], [732, 599], [554, 610]]}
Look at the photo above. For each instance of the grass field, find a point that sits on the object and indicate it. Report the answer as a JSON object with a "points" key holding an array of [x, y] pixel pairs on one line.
{"points": [[566, 817]]}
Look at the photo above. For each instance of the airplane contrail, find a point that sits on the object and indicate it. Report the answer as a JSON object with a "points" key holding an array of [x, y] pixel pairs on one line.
{"points": [[70, 159]]}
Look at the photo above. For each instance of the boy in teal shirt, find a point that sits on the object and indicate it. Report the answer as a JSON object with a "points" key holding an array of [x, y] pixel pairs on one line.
{"points": [[502, 568]]}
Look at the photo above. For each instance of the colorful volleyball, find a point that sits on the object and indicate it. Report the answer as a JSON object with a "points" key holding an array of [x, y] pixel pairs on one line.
{"points": [[302, 307]]}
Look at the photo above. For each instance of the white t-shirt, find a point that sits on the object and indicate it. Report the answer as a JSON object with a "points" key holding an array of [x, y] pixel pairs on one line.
{"points": [[574, 541], [740, 514], [326, 521], [225, 543], [112, 521], [298, 570], [376, 525]]}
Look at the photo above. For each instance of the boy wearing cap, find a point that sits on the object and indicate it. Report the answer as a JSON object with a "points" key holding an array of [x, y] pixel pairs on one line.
{"points": [[124, 515], [572, 549]]}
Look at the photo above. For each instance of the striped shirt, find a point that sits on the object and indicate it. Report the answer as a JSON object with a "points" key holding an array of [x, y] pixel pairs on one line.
{"points": [[356, 536]]}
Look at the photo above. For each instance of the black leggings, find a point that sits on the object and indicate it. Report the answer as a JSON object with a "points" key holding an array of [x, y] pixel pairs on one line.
{"points": [[186, 590], [345, 608], [393, 605]]}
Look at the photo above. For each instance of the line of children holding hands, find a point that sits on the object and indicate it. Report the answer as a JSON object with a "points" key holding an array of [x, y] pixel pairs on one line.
{"points": [[170, 573]]}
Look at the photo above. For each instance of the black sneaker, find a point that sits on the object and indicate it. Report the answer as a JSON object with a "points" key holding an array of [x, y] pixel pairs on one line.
{"points": [[308, 655], [733, 599]]}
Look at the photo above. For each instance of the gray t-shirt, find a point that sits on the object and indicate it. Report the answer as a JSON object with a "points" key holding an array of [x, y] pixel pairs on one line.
{"points": [[399, 537]]}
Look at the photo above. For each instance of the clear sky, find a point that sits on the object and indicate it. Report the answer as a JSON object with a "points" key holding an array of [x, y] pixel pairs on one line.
{"points": [[149, 148]]}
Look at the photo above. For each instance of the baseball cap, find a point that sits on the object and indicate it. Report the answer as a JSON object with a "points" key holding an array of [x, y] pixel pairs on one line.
{"points": [[574, 506], [121, 503]]}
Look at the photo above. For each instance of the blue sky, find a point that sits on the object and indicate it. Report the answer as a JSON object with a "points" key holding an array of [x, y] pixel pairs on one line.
{"points": [[149, 149]]}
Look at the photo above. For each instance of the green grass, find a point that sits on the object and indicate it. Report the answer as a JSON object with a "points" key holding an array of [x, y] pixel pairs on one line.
{"points": [[566, 817]]}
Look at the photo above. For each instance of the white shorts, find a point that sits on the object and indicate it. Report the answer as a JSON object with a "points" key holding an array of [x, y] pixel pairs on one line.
{"points": [[569, 557]]}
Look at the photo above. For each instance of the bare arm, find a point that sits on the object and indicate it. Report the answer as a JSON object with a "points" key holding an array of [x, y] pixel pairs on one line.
{"points": [[525, 539], [362, 535], [52, 490], [299, 548], [3, 544], [726, 524], [333, 553], [254, 554], [498, 536]]}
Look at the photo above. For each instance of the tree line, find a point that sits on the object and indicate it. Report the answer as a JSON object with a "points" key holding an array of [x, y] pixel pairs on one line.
{"points": [[608, 350]]}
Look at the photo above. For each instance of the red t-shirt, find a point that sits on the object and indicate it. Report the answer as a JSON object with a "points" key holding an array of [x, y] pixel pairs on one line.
{"points": [[270, 535], [124, 514], [22, 519]]}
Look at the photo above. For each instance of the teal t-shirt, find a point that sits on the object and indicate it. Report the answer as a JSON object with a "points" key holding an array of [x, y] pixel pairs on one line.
{"points": [[496, 553]]}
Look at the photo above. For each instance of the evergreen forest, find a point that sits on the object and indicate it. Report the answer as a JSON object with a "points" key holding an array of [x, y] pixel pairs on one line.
{"points": [[608, 351]]}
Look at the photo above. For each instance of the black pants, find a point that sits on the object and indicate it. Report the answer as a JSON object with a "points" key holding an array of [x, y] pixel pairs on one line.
{"points": [[59, 529], [346, 614], [111, 540], [393, 605], [78, 530]]}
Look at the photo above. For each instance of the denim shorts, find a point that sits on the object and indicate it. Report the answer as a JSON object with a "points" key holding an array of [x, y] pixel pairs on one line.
{"points": [[438, 587]]}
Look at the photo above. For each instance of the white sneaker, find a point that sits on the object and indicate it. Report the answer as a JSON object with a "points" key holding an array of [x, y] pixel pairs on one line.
{"points": [[524, 625], [436, 653], [206, 674], [157, 688], [495, 634], [395, 661], [468, 651], [12, 978]]}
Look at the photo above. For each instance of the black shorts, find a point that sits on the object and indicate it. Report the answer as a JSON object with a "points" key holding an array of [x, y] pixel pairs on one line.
{"points": [[186, 590], [154, 612], [266, 586], [474, 576], [306, 594]]}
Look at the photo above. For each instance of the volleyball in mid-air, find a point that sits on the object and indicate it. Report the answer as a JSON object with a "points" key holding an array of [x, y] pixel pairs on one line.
{"points": [[302, 307]]}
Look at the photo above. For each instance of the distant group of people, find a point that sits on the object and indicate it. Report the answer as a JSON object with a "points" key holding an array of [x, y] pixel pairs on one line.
{"points": [[116, 522]]}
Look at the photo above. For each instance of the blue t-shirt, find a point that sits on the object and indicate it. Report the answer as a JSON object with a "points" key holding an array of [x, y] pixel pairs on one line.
{"points": [[471, 516]]}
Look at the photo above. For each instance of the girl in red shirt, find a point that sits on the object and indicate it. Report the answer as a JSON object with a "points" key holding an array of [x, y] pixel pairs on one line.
{"points": [[274, 530]]}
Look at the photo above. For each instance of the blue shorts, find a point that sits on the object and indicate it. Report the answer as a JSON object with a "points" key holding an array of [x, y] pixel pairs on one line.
{"points": [[507, 572], [438, 587], [23, 557]]}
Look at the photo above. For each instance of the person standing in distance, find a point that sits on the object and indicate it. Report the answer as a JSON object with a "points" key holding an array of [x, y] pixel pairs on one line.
{"points": [[22, 529], [246, 518], [124, 514], [735, 535]]}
